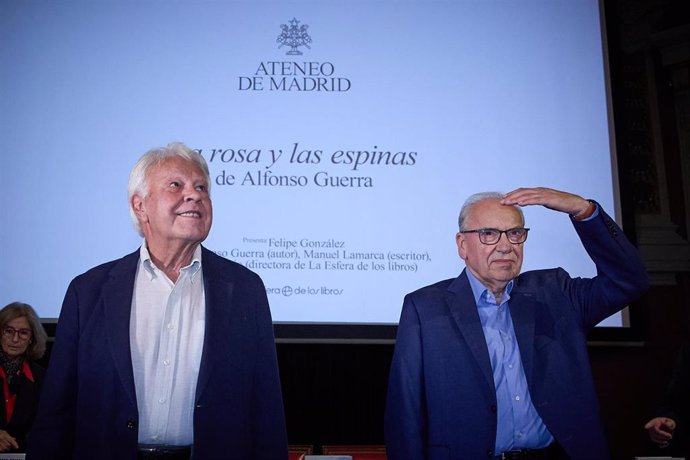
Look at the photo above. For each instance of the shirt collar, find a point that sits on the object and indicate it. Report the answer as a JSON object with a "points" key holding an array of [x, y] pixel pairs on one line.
{"points": [[479, 290], [152, 271], [27, 371]]}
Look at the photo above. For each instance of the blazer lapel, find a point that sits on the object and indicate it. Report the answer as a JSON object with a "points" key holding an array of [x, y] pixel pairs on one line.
{"points": [[117, 306], [522, 308], [464, 311], [218, 287]]}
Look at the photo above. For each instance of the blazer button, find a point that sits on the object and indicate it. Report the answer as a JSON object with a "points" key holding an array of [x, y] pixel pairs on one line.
{"points": [[131, 424], [489, 453], [493, 408]]}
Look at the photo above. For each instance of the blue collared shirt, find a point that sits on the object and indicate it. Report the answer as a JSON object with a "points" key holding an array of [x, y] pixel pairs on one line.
{"points": [[519, 424]]}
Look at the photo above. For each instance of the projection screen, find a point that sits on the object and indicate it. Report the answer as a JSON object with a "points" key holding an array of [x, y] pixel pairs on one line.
{"points": [[342, 136]]}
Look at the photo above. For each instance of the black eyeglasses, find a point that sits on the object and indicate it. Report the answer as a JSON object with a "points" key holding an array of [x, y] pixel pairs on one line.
{"points": [[515, 235], [9, 332]]}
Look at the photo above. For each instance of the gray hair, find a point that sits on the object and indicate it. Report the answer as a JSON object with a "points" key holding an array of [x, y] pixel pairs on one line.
{"points": [[476, 198], [138, 177]]}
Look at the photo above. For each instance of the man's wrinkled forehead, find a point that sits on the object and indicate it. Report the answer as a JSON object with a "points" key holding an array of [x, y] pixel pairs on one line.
{"points": [[175, 166], [490, 213]]}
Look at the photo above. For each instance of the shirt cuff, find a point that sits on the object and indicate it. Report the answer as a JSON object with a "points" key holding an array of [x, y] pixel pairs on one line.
{"points": [[589, 214]]}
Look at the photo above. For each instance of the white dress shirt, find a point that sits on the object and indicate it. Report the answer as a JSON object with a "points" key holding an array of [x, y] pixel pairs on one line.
{"points": [[166, 333]]}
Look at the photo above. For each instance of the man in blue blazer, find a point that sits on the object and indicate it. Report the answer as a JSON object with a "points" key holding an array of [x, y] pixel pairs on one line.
{"points": [[494, 363], [167, 353]]}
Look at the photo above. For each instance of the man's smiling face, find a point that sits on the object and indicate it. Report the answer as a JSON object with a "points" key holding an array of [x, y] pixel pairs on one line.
{"points": [[177, 207]]}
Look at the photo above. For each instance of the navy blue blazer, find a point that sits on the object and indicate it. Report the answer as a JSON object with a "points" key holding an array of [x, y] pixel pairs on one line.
{"points": [[441, 397], [88, 408]]}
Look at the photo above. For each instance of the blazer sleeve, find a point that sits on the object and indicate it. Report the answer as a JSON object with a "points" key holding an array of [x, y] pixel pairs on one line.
{"points": [[621, 275], [676, 403], [270, 435], [405, 424], [53, 431]]}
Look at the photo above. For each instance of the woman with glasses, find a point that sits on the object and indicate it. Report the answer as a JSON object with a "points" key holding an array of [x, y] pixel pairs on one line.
{"points": [[23, 341]]}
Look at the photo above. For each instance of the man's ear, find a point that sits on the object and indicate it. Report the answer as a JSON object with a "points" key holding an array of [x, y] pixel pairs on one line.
{"points": [[461, 242], [139, 208]]}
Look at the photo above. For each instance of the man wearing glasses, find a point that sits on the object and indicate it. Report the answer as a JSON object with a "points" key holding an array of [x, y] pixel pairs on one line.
{"points": [[493, 363]]}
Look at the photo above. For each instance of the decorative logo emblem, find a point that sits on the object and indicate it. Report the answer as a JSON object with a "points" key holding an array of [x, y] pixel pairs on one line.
{"points": [[294, 36]]}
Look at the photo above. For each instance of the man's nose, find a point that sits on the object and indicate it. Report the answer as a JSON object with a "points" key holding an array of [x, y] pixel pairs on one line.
{"points": [[503, 244], [192, 194]]}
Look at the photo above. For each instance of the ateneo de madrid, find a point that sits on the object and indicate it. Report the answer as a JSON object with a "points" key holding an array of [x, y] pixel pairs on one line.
{"points": [[294, 76]]}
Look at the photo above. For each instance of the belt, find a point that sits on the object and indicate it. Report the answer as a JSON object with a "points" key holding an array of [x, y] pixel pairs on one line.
{"points": [[552, 452], [159, 452]]}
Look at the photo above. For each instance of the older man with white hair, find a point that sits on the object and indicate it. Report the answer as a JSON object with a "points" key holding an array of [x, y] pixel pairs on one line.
{"points": [[167, 353]]}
